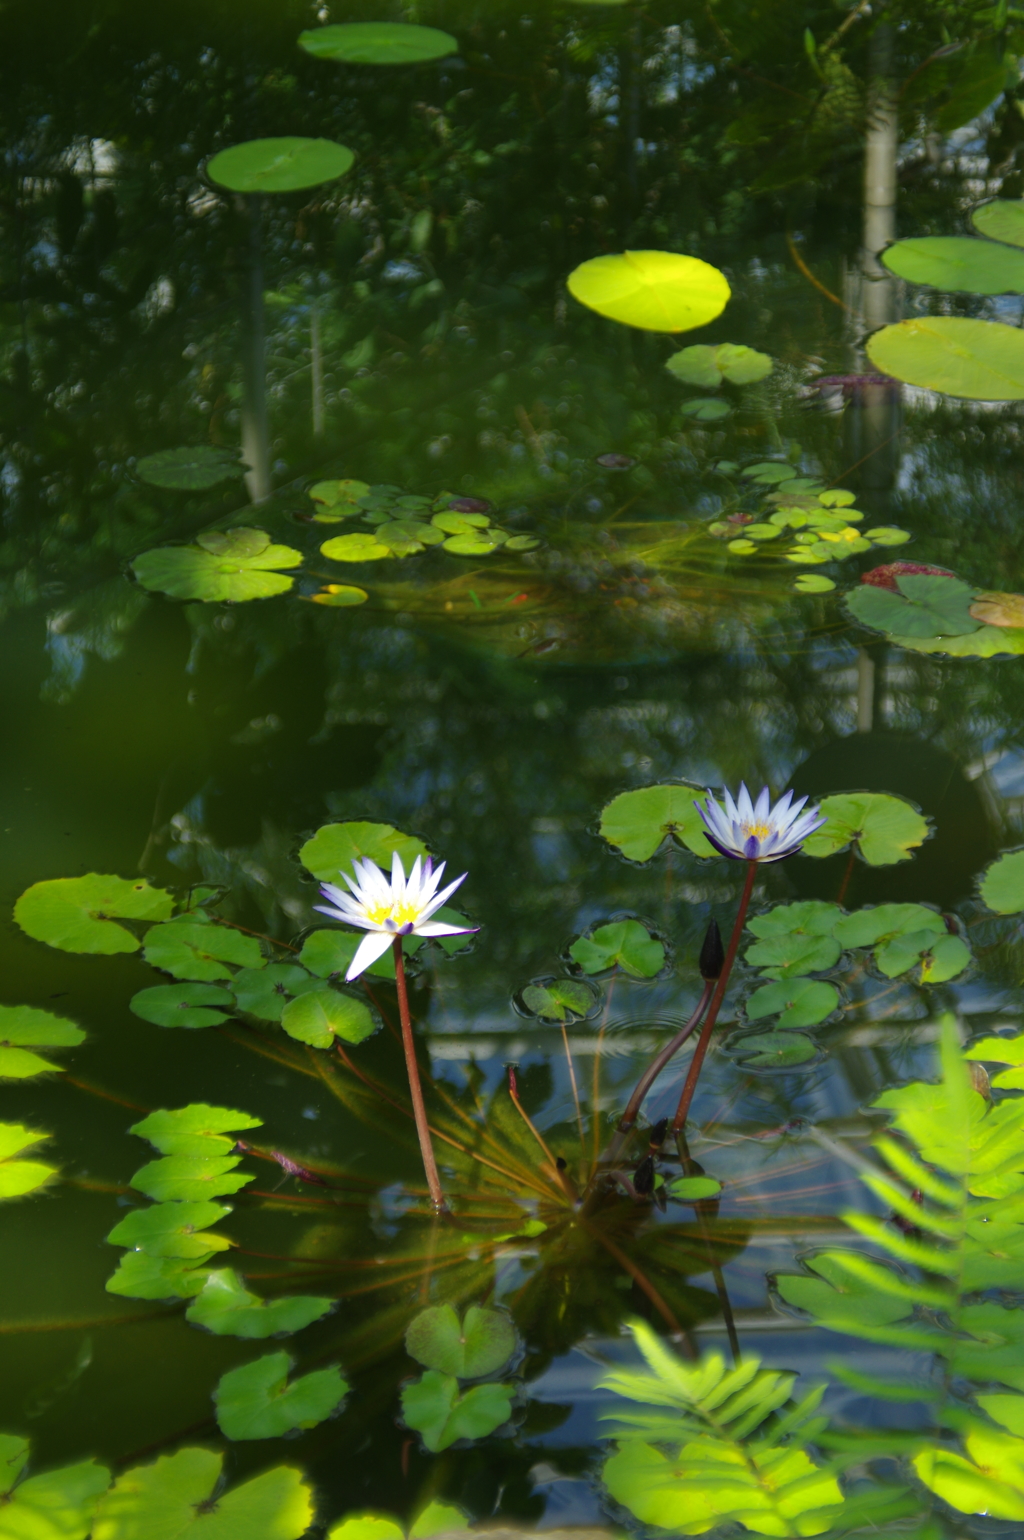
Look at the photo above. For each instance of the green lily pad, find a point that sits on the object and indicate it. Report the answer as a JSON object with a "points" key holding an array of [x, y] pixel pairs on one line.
{"points": [[183, 1005], [335, 846], [324, 1013], [692, 1189], [1002, 883], [141, 1276], [481, 1343], [658, 291], [770, 472], [337, 500], [197, 1129], [279, 165], [200, 952], [988, 642], [179, 1497], [798, 1002], [226, 1308], [370, 1526], [560, 999], [905, 936], [624, 944], [435, 1519], [924, 606], [773, 1050], [258, 1400], [56, 1505], [77, 914], [957, 263], [886, 829], [21, 1026], [709, 366], [18, 1177], [190, 1177], [402, 531], [355, 547], [812, 918], [264, 992], [792, 956], [706, 409], [188, 469], [378, 42], [637, 822], [521, 543], [433, 1407], [339, 596], [173, 1230], [842, 1297], [886, 534], [973, 360], [481, 543], [233, 565], [328, 953], [1001, 220], [452, 523]]}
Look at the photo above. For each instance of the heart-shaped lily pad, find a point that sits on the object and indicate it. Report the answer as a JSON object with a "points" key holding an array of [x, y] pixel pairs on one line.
{"points": [[433, 1406], [923, 606], [797, 1002], [173, 1230], [709, 366], [885, 829], [624, 944], [201, 952], [183, 1005], [772, 1050], [637, 822], [233, 565], [279, 165], [559, 1000], [78, 914], [23, 1028], [787, 956], [180, 1497], [337, 500], [481, 1343], [264, 992], [141, 1276], [226, 1308], [480, 543], [456, 523], [190, 1177], [190, 470], [18, 1177], [259, 1401], [197, 1129], [335, 846], [324, 1013], [706, 409], [56, 1505]]}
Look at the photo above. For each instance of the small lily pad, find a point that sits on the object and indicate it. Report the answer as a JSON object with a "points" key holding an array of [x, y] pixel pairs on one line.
{"points": [[18, 1177], [770, 472], [23, 1028], [480, 543], [403, 531], [709, 366], [378, 42], [337, 500], [259, 1401], [460, 523], [197, 1129], [264, 992], [923, 606], [885, 829], [813, 583], [355, 547], [481, 1343], [793, 955], [881, 922], [706, 409], [1002, 883], [335, 846], [279, 165], [78, 914], [433, 1407], [559, 999], [190, 1177], [323, 1014], [692, 1189], [180, 1497], [141, 1276], [624, 944], [201, 952], [637, 822], [183, 1005], [340, 596], [773, 1050], [233, 565], [226, 1308], [797, 1002], [173, 1230], [521, 543], [188, 469], [659, 291]]}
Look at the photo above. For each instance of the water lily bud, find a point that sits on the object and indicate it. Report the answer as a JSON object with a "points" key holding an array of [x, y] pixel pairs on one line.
{"points": [[712, 953]]}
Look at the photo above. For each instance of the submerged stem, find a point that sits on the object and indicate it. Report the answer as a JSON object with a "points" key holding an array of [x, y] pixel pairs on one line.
{"points": [[653, 1070], [704, 1040], [415, 1088]]}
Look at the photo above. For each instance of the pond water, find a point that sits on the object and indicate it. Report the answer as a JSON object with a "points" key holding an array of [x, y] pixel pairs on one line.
{"points": [[630, 576]]}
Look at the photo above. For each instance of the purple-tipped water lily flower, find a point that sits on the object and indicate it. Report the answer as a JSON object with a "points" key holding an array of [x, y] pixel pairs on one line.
{"points": [[400, 907], [747, 831]]}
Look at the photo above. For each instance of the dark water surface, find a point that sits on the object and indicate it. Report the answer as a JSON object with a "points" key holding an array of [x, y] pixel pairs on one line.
{"points": [[419, 335]]}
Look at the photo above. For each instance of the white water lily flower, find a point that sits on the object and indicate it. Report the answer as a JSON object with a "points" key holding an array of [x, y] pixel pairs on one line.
{"points": [[401, 907], [744, 831]]}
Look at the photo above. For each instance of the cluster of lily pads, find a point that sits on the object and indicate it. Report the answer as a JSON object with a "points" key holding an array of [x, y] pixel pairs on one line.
{"points": [[402, 524], [929, 609], [815, 524], [707, 367]]}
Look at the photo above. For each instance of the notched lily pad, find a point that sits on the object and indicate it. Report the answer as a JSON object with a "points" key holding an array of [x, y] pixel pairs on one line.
{"points": [[559, 1000], [79, 914], [798, 1002], [637, 822], [200, 952], [433, 1407], [226, 1308], [141, 1276], [481, 1343], [19, 1177], [197, 1129], [693, 1189], [885, 829], [173, 1230], [709, 366], [264, 992], [259, 1401], [233, 565], [55, 1505], [190, 469], [23, 1028], [624, 944], [772, 1050], [322, 1014], [190, 1177], [179, 1497], [706, 409], [183, 1005], [339, 596], [335, 846], [921, 606]]}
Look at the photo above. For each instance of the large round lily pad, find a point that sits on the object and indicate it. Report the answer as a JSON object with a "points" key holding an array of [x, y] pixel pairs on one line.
{"points": [[920, 605], [323, 1013], [279, 165], [636, 822], [180, 1496], [190, 469], [183, 1005], [1001, 220], [958, 263], [885, 829], [378, 42], [336, 846], [233, 565], [657, 291], [975, 360], [79, 914]]}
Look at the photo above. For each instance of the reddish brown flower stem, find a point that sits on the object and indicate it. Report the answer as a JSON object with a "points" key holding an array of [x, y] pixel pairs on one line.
{"points": [[700, 1052], [419, 1110], [653, 1070]]}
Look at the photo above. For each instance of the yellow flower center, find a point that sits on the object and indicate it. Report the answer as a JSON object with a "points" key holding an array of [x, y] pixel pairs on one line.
{"points": [[398, 914], [759, 831]]}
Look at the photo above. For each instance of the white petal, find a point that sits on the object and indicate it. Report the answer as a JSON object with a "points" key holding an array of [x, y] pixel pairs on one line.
{"points": [[348, 919], [732, 812], [744, 806], [369, 949], [763, 806], [781, 810], [435, 928], [440, 898]]}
